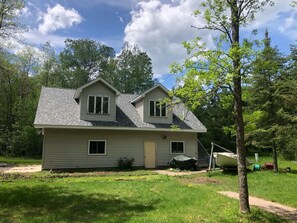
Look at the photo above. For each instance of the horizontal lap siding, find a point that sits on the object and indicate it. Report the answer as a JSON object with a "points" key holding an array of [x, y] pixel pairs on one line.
{"points": [[69, 148]]}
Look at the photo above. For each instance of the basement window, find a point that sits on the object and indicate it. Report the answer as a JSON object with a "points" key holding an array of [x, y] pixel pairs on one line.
{"points": [[97, 147], [177, 147]]}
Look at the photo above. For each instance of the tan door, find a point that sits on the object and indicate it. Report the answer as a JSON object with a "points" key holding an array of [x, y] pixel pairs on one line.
{"points": [[149, 154]]}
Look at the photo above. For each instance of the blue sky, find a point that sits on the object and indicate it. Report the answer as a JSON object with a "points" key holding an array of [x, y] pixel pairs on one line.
{"points": [[156, 26]]}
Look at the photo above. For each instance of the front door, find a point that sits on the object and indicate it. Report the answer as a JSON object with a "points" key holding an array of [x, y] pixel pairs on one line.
{"points": [[149, 154]]}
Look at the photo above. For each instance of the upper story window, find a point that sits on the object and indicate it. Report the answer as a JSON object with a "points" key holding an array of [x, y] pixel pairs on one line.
{"points": [[98, 104], [157, 108]]}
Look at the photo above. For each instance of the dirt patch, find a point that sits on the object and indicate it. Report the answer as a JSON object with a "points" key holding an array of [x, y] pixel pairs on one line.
{"points": [[273, 207], [203, 180], [178, 173], [21, 169]]}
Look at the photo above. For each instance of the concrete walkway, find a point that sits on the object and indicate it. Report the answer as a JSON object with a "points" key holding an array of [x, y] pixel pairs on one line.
{"points": [[279, 209]]}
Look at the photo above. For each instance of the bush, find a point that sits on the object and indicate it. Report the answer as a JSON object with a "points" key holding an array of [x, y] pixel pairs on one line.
{"points": [[125, 163]]}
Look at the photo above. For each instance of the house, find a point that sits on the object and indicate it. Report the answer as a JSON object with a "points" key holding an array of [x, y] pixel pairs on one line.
{"points": [[94, 125]]}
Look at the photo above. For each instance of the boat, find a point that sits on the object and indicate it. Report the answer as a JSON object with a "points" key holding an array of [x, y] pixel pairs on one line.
{"points": [[227, 159]]}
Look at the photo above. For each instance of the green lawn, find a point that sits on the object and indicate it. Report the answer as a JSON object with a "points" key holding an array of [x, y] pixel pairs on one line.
{"points": [[20, 160], [138, 196]]}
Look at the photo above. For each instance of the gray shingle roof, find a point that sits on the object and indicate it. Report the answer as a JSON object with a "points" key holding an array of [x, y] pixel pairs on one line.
{"points": [[57, 107]]}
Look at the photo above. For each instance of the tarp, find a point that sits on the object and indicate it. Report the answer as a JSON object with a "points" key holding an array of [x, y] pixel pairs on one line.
{"points": [[183, 162]]}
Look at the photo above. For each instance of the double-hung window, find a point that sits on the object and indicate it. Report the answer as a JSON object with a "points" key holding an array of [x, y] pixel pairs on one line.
{"points": [[157, 108], [177, 147], [97, 147], [98, 104]]}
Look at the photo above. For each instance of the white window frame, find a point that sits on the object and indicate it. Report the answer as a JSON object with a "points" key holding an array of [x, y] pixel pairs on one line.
{"points": [[155, 102], [97, 154], [184, 147], [95, 98]]}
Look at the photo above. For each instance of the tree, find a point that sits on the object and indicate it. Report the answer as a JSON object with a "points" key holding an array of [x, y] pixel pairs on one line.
{"points": [[286, 91], [18, 95], [83, 60], [224, 66], [49, 71], [134, 72], [217, 115], [264, 100], [9, 24]]}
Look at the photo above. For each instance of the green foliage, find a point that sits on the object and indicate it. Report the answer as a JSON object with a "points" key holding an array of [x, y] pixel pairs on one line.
{"points": [[19, 160], [10, 27], [18, 95], [133, 71], [271, 110], [83, 60], [125, 163]]}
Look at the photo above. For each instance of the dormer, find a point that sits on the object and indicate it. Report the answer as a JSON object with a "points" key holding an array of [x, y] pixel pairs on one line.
{"points": [[97, 101], [151, 106]]}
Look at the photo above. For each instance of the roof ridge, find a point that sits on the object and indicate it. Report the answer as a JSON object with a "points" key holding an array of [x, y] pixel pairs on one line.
{"points": [[60, 88]]}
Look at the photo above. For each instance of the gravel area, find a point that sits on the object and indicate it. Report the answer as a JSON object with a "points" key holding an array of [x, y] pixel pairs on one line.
{"points": [[20, 169]]}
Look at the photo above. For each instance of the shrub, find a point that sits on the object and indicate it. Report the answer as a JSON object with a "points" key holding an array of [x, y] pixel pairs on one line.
{"points": [[125, 163]]}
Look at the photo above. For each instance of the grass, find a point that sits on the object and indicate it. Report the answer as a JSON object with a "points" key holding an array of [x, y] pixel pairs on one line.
{"points": [[20, 160], [137, 196]]}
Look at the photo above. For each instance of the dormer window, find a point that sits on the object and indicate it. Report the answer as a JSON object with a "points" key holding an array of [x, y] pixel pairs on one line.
{"points": [[157, 108], [98, 104]]}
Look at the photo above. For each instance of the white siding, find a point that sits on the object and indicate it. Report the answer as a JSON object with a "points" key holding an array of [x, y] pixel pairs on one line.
{"points": [[69, 148], [98, 89]]}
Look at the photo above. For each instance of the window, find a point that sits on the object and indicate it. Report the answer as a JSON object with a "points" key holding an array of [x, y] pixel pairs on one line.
{"points": [[98, 104], [178, 147], [157, 108], [97, 147]]}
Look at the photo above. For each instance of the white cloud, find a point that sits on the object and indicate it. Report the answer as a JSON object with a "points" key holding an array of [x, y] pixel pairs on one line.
{"points": [[271, 13], [34, 37], [59, 18], [160, 29]]}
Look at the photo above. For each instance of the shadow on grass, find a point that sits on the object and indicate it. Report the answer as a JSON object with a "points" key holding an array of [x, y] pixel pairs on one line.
{"points": [[51, 204]]}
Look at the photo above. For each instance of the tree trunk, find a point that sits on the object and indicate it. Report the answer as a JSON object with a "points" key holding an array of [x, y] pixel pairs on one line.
{"points": [[275, 164], [241, 152]]}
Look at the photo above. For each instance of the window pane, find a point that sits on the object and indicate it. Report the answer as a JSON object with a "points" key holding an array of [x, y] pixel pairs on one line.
{"points": [[92, 148], [98, 105], [173, 147], [91, 107], [180, 147], [105, 105], [158, 106], [164, 109], [152, 108], [101, 147], [97, 147]]}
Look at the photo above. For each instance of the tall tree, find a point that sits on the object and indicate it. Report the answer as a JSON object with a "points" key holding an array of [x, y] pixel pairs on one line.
{"points": [[287, 104], [83, 60], [224, 66], [9, 24], [134, 72], [49, 71], [266, 70], [18, 95]]}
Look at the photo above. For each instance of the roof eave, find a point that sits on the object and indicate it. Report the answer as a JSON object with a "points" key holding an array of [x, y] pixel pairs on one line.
{"points": [[79, 90], [42, 126]]}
